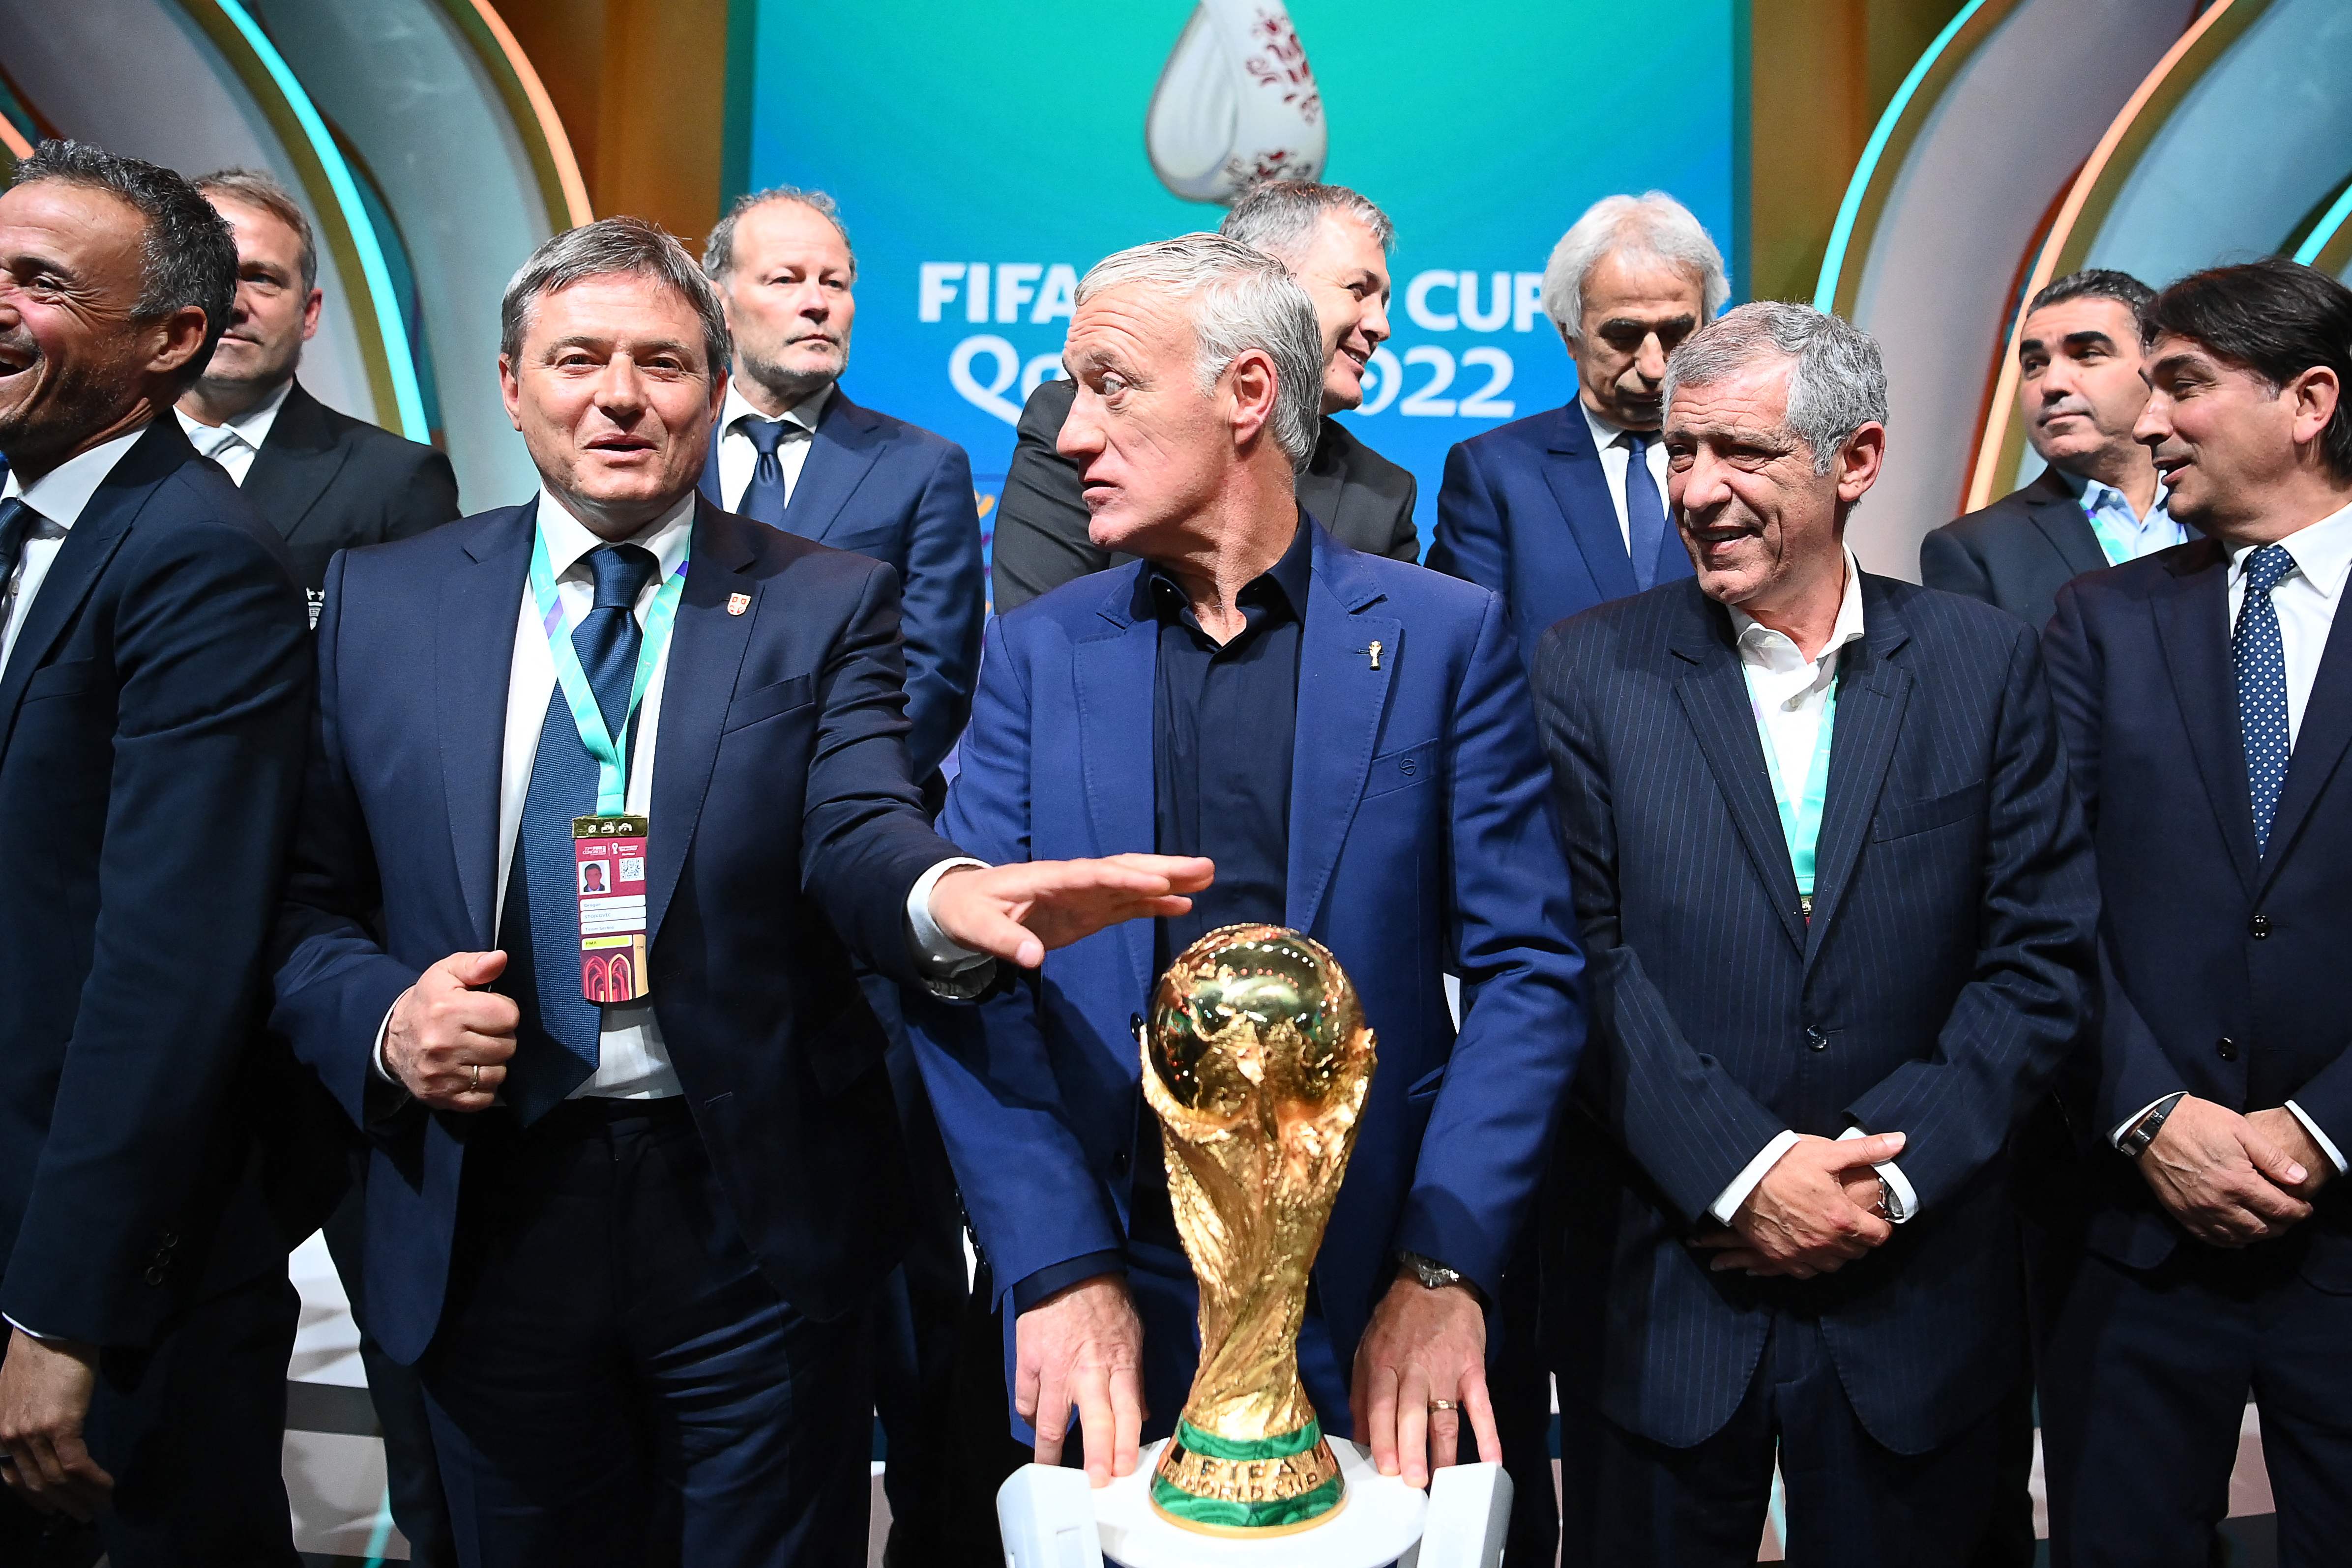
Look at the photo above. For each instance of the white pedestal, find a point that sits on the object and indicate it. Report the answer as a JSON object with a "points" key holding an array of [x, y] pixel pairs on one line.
{"points": [[1051, 1519]]}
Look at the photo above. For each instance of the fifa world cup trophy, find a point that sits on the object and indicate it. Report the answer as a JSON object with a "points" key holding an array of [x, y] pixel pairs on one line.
{"points": [[1257, 1060]]}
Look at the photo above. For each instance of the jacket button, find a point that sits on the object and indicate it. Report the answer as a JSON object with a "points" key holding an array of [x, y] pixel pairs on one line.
{"points": [[1817, 1040], [154, 1275], [2226, 1048], [1118, 1162], [2259, 927]]}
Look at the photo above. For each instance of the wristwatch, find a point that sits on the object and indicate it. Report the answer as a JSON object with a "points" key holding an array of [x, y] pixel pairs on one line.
{"points": [[1435, 1276], [2142, 1133]]}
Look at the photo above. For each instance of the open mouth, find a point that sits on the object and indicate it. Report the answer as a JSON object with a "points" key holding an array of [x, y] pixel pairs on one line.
{"points": [[16, 358]]}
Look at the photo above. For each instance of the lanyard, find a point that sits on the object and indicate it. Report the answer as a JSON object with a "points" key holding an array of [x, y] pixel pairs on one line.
{"points": [[1800, 817], [612, 779]]}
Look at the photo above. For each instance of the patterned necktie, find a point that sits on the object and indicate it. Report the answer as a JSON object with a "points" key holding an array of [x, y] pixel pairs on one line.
{"points": [[765, 497], [1646, 514], [556, 1048], [2261, 661]]}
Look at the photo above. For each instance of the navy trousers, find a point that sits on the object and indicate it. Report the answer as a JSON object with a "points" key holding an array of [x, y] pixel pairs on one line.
{"points": [[615, 1383], [2144, 1389], [1851, 1503]]}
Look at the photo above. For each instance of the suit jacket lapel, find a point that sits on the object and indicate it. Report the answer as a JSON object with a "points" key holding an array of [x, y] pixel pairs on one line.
{"points": [[296, 462], [1872, 695], [2192, 615], [2319, 745], [2059, 515], [1116, 672], [1323, 488], [1715, 698], [844, 447], [706, 651], [1572, 469], [473, 659], [1340, 700]]}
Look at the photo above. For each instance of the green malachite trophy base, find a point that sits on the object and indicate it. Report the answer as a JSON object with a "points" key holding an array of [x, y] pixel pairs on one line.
{"points": [[1275, 1486]]}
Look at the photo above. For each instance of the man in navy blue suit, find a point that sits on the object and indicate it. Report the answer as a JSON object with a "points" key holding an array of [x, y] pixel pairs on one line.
{"points": [[627, 1239], [2206, 699], [1565, 510], [1347, 738], [154, 690], [792, 451], [1839, 908]]}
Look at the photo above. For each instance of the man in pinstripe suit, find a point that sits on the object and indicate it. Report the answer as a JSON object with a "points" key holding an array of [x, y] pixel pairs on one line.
{"points": [[1839, 907]]}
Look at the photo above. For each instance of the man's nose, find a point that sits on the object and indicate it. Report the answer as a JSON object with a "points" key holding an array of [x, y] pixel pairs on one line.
{"points": [[1650, 360], [1375, 323], [2154, 424], [1696, 487], [621, 386], [1081, 432]]}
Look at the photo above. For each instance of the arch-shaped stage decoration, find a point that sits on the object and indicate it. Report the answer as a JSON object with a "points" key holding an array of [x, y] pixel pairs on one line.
{"points": [[1952, 192], [2328, 245], [2170, 188]]}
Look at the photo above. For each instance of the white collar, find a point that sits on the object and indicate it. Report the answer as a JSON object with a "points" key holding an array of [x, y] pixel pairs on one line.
{"points": [[252, 426], [1755, 637], [804, 413], [570, 541], [1604, 434], [2321, 551], [62, 494]]}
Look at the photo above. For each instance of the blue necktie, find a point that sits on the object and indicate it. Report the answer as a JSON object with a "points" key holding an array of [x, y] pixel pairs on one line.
{"points": [[1646, 514], [2256, 649], [556, 1046], [764, 498]]}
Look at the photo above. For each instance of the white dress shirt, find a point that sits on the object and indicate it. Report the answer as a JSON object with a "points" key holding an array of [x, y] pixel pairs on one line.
{"points": [[1615, 459], [60, 497], [236, 442], [737, 456], [2305, 600], [1788, 693]]}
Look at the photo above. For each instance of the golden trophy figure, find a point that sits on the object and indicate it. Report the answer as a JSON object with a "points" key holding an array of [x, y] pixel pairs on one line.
{"points": [[1257, 1060]]}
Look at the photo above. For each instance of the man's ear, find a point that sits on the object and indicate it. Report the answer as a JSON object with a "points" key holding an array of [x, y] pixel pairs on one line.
{"points": [[1255, 385], [178, 337], [1859, 461], [2313, 399]]}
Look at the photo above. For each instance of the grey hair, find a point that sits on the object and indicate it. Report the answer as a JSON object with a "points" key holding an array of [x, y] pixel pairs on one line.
{"points": [[1280, 216], [1242, 298], [605, 248], [187, 256], [1836, 381], [1653, 225], [258, 190], [719, 250]]}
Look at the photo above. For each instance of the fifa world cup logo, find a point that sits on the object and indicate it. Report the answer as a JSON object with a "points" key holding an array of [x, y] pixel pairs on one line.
{"points": [[1257, 1060]]}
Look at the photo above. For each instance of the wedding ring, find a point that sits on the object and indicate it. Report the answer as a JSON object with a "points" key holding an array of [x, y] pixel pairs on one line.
{"points": [[1436, 1405], [478, 1076]]}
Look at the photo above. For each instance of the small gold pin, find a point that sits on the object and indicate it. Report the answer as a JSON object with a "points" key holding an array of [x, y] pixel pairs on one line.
{"points": [[738, 602], [1375, 651]]}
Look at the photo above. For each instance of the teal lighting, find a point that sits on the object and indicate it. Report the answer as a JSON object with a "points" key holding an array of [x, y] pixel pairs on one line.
{"points": [[1850, 209], [373, 271], [2325, 229]]}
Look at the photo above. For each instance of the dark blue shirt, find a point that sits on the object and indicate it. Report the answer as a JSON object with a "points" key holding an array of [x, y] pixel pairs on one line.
{"points": [[1224, 718]]}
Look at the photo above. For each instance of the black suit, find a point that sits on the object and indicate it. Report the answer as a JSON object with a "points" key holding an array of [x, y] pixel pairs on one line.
{"points": [[2221, 979], [1361, 498], [151, 720], [329, 482], [1937, 984], [2016, 553]]}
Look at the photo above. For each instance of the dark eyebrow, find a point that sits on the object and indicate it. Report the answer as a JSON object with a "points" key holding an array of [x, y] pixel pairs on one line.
{"points": [[1619, 323], [591, 341], [2089, 338]]}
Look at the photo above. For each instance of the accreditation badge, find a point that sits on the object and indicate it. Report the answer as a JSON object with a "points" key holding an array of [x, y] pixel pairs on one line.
{"points": [[608, 856]]}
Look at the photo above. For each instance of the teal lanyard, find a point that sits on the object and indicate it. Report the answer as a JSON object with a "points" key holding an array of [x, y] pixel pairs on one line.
{"points": [[1801, 818], [612, 776], [2114, 543]]}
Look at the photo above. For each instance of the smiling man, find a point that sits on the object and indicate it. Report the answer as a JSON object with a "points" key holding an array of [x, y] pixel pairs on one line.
{"points": [[1565, 510], [324, 480], [1335, 244], [2098, 504], [2207, 697], [624, 1220], [154, 691], [1838, 906]]}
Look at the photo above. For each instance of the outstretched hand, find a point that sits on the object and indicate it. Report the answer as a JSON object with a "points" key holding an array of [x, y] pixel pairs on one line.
{"points": [[1019, 912], [1082, 1346], [1423, 1347]]}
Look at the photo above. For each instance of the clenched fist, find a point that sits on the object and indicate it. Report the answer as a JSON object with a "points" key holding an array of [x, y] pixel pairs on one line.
{"points": [[448, 1040]]}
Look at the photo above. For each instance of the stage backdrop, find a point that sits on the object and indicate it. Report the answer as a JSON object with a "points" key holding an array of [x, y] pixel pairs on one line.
{"points": [[985, 156]]}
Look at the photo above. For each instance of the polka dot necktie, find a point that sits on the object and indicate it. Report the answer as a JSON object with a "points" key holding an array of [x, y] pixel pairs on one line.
{"points": [[2261, 662]]}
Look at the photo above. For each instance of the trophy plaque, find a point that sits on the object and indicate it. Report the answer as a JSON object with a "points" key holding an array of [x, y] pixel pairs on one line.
{"points": [[1256, 1059]]}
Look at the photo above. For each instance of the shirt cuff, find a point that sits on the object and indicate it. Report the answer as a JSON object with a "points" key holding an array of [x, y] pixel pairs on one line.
{"points": [[1028, 1292], [384, 1069], [1905, 1202], [1727, 1201], [21, 1329], [2326, 1145], [952, 971], [2115, 1135]]}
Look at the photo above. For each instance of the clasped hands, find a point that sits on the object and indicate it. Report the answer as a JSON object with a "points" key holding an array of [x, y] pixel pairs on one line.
{"points": [[1816, 1210], [448, 1040], [1083, 1346], [2233, 1180]]}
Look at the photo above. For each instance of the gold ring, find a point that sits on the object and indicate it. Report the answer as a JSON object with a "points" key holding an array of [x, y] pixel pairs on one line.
{"points": [[1436, 1405], [478, 1076]]}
